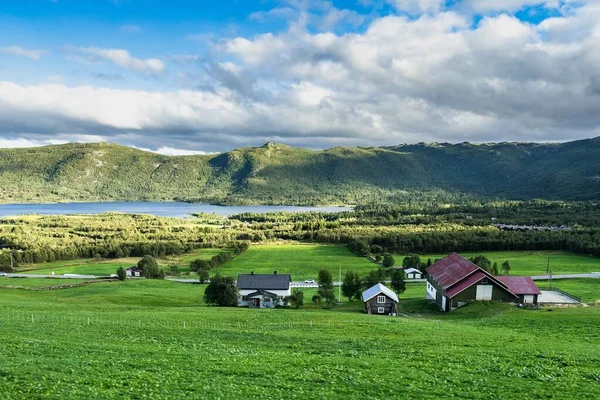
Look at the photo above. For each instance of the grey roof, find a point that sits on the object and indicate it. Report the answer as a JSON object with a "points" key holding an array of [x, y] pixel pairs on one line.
{"points": [[376, 289], [264, 281]]}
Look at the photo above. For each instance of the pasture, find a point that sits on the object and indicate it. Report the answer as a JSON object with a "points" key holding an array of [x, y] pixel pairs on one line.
{"points": [[106, 267], [156, 339], [528, 263], [302, 261]]}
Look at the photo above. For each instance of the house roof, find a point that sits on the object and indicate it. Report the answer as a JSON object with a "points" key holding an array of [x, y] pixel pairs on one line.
{"points": [[465, 284], [377, 289], [520, 285], [264, 281], [412, 271], [451, 270]]}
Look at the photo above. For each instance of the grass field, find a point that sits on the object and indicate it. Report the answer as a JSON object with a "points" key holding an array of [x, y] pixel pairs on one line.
{"points": [[300, 260], [90, 266], [303, 261], [156, 339], [530, 263], [36, 282]]}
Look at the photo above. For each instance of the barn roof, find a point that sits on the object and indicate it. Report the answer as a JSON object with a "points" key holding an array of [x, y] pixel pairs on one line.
{"points": [[264, 281], [520, 285], [377, 289], [451, 270]]}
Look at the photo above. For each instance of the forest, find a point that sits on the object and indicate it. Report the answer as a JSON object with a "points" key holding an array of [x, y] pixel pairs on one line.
{"points": [[403, 228], [282, 175]]}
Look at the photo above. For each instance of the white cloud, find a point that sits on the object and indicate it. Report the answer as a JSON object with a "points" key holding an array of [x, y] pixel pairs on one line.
{"points": [[19, 51], [121, 58], [427, 77]]}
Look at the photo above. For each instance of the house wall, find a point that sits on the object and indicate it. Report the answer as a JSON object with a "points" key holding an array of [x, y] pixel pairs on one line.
{"points": [[389, 306], [435, 291], [244, 292]]}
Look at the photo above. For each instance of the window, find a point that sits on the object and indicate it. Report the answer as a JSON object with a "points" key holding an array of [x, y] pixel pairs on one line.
{"points": [[244, 298], [380, 310], [381, 299]]}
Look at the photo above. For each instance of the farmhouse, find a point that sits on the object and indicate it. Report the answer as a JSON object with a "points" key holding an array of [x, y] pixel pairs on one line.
{"points": [[413, 273], [454, 281], [133, 271], [379, 299], [263, 290]]}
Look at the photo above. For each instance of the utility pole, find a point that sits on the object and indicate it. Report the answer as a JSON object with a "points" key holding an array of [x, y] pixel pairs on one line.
{"points": [[11, 262], [548, 266], [340, 287]]}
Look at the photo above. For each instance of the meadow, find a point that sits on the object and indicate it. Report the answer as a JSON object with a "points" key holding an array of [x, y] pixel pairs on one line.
{"points": [[156, 339], [531, 263], [106, 267], [303, 261]]}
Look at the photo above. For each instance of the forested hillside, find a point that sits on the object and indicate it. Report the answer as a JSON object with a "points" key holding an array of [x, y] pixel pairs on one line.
{"points": [[279, 174]]}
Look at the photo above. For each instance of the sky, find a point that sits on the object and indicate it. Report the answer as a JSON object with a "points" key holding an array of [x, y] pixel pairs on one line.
{"points": [[187, 77]]}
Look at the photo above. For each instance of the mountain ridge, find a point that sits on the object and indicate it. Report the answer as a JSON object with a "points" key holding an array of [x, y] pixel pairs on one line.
{"points": [[275, 173]]}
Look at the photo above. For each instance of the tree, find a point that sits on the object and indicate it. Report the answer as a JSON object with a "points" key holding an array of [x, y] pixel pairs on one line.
{"points": [[388, 260], [203, 276], [398, 284], [412, 261], [149, 267], [316, 299], [221, 291], [375, 249], [326, 288], [296, 300], [121, 274], [374, 277], [482, 262], [495, 269], [351, 287], [506, 267], [199, 265]]}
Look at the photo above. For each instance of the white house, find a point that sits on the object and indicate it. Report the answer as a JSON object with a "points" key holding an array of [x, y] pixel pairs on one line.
{"points": [[263, 290], [413, 273], [133, 271]]}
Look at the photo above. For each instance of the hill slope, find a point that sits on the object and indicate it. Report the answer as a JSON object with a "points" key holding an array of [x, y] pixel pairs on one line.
{"points": [[276, 173]]}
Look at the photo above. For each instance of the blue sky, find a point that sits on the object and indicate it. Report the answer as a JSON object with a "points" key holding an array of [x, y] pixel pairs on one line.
{"points": [[199, 76]]}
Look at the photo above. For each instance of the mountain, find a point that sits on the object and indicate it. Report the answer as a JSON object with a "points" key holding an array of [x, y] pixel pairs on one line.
{"points": [[279, 174]]}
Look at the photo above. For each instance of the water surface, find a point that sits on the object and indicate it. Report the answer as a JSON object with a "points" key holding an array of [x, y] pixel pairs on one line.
{"points": [[160, 209]]}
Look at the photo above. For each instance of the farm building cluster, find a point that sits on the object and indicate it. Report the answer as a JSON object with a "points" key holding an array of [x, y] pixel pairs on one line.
{"points": [[451, 283]]}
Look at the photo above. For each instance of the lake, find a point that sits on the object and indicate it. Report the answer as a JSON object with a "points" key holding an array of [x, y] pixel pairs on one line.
{"points": [[160, 209]]}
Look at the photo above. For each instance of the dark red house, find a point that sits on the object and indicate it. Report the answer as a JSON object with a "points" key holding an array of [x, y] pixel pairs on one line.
{"points": [[454, 281]]}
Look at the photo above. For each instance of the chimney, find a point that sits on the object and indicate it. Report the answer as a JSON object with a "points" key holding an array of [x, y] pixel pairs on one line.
{"points": [[274, 272]]}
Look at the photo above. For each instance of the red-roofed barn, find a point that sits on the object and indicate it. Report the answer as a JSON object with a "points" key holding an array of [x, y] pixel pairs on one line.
{"points": [[455, 281]]}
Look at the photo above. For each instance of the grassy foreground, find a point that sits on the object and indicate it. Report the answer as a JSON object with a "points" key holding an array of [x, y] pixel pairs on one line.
{"points": [[155, 339]]}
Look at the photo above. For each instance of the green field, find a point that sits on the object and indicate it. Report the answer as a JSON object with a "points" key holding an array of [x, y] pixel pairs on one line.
{"points": [[300, 260], [107, 267], [530, 263], [36, 282], [156, 339]]}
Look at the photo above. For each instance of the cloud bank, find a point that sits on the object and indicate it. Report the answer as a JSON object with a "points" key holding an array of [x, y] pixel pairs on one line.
{"points": [[428, 73]]}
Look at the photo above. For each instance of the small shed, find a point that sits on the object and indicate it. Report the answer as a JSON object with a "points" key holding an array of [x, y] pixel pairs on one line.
{"points": [[134, 272], [413, 273], [379, 299]]}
